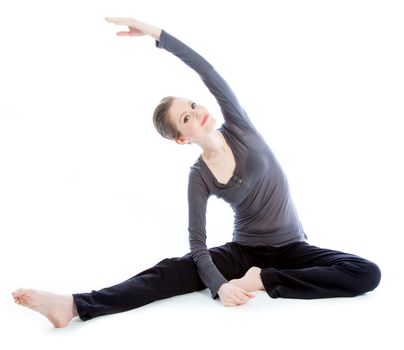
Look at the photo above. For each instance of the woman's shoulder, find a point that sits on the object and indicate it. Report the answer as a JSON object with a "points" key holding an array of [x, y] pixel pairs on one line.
{"points": [[198, 174], [197, 169]]}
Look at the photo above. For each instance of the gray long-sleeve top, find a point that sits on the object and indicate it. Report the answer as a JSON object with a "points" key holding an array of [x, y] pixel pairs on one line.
{"points": [[258, 192]]}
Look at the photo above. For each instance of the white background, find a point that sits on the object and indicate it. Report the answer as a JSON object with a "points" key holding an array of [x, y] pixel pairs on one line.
{"points": [[90, 194]]}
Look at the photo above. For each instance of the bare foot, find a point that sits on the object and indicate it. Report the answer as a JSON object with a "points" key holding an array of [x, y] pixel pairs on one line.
{"points": [[58, 309], [251, 281]]}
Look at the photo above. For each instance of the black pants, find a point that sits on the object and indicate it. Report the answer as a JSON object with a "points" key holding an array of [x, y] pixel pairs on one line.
{"points": [[297, 270]]}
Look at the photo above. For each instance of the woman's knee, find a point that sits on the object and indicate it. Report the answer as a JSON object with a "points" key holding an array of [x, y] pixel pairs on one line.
{"points": [[367, 274], [183, 264], [372, 276]]}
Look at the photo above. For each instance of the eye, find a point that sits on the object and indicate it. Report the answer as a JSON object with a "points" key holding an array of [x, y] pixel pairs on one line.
{"points": [[187, 117]]}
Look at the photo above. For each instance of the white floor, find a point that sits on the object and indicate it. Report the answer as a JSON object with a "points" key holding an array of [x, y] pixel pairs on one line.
{"points": [[90, 194]]}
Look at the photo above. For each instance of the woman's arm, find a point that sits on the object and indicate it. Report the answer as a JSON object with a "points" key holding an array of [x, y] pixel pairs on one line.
{"points": [[198, 195], [229, 294], [231, 109]]}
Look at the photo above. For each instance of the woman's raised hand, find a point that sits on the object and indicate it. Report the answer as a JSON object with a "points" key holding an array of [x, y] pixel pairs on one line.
{"points": [[135, 27]]}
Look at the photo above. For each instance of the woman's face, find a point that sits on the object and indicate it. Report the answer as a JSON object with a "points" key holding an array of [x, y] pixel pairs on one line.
{"points": [[193, 121]]}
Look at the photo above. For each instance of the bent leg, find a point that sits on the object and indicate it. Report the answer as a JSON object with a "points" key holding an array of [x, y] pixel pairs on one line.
{"points": [[307, 272]]}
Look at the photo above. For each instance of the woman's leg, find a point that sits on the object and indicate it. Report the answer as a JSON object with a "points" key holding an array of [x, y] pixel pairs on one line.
{"points": [[167, 278], [170, 277], [303, 271]]}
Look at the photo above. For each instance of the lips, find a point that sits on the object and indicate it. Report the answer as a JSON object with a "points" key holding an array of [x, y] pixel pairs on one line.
{"points": [[205, 118]]}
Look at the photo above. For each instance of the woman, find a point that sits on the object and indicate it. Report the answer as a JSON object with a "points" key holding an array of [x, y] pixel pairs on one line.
{"points": [[268, 250]]}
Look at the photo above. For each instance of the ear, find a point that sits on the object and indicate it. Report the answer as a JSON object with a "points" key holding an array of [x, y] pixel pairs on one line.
{"points": [[181, 140]]}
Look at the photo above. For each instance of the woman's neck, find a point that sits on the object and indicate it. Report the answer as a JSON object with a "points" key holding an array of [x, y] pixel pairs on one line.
{"points": [[214, 145]]}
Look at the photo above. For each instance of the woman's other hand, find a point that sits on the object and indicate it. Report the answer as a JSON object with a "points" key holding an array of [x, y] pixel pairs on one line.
{"points": [[231, 295]]}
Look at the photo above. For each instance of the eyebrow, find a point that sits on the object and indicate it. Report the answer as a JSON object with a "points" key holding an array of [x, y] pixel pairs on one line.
{"points": [[190, 104]]}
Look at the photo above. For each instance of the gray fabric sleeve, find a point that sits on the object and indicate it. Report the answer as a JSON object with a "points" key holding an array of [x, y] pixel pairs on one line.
{"points": [[231, 109], [197, 197]]}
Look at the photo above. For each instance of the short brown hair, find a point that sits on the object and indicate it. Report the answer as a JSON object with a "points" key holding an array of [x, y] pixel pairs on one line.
{"points": [[161, 121]]}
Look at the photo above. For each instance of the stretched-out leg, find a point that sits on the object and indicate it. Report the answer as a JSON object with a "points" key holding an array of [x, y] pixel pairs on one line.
{"points": [[170, 277], [167, 278], [304, 271]]}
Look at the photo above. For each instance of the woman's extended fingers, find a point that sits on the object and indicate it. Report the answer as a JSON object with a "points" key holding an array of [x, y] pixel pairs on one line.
{"points": [[128, 33], [126, 21], [136, 27]]}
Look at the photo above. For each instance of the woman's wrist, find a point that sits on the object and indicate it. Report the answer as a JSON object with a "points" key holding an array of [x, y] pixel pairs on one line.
{"points": [[154, 32]]}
